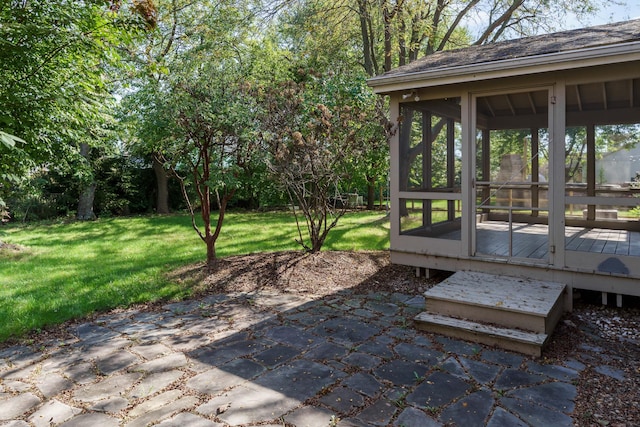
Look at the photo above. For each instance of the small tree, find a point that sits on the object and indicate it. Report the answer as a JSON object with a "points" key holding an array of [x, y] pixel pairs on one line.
{"points": [[212, 130], [311, 149]]}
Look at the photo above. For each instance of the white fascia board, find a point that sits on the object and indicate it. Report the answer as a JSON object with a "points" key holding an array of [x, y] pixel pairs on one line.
{"points": [[558, 61]]}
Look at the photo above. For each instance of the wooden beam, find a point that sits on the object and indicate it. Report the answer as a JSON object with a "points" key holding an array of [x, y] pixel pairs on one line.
{"points": [[604, 96], [513, 110], [488, 104], [532, 104], [578, 97]]}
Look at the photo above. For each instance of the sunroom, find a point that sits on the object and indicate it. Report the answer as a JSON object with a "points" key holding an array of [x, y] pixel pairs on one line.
{"points": [[521, 158]]}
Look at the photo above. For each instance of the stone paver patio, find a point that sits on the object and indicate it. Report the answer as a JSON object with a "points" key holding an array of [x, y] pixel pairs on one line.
{"points": [[248, 359]]}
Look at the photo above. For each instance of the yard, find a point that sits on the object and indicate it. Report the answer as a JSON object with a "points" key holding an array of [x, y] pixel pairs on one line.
{"points": [[50, 273]]}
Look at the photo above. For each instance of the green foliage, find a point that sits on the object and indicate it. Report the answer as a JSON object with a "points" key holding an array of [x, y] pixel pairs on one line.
{"points": [[54, 88]]}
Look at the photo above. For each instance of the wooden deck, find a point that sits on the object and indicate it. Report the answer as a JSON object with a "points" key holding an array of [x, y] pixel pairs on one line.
{"points": [[531, 240]]}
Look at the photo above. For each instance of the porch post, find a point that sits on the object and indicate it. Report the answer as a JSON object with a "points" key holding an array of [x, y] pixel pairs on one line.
{"points": [[557, 131], [467, 121], [591, 169], [535, 171], [394, 168]]}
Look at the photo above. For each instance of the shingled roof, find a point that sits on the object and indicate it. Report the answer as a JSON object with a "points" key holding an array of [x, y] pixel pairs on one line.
{"points": [[525, 48]]}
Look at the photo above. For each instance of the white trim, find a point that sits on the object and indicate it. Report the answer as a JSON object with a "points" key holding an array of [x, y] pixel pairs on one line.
{"points": [[558, 61]]}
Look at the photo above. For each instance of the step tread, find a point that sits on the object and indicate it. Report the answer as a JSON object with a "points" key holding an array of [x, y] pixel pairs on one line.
{"points": [[481, 328], [498, 292]]}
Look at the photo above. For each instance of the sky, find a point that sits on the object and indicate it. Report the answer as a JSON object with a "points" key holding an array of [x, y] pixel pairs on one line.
{"points": [[628, 9]]}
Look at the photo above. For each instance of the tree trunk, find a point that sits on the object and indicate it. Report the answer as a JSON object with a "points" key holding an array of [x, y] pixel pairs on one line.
{"points": [[87, 194], [85, 204], [371, 192], [162, 186], [366, 41], [212, 261]]}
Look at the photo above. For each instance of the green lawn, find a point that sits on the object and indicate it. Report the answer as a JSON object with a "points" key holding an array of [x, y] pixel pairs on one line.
{"points": [[70, 270]]}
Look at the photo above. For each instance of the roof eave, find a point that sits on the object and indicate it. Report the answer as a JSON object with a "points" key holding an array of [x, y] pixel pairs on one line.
{"points": [[557, 61]]}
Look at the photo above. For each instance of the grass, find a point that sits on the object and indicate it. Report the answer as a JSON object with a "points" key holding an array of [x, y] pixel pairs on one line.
{"points": [[69, 270]]}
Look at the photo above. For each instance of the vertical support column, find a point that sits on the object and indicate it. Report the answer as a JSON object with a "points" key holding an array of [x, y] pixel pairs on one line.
{"points": [[427, 167], [451, 166], [535, 171], [591, 170], [486, 165], [396, 158], [468, 122], [557, 132]]}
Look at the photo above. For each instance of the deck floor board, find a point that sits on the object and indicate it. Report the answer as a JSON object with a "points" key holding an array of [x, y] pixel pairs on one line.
{"points": [[531, 240]]}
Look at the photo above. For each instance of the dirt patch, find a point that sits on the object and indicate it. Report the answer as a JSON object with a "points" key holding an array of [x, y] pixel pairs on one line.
{"points": [[319, 274]]}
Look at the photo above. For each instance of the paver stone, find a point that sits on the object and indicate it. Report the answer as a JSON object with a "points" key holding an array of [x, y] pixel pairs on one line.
{"points": [[163, 412], [412, 417], [438, 389], [418, 354], [87, 420], [155, 402], [151, 351], [188, 419], [501, 418], [165, 363], [110, 405], [512, 378], [115, 362], [378, 414], [343, 399], [401, 373], [556, 395], [52, 384], [276, 355], [16, 423], [53, 412], [470, 411], [536, 415], [229, 375], [310, 416], [154, 383], [482, 372], [110, 387], [18, 405], [292, 336], [554, 371], [364, 383]]}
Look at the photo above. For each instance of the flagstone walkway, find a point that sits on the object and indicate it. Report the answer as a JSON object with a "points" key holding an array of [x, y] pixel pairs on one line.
{"points": [[277, 359]]}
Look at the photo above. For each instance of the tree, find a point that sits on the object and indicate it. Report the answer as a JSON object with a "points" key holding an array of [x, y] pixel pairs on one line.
{"points": [[312, 132], [211, 134], [151, 59], [194, 114], [54, 88]]}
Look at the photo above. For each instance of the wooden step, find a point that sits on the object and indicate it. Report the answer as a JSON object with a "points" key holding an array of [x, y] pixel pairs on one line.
{"points": [[530, 343], [501, 300]]}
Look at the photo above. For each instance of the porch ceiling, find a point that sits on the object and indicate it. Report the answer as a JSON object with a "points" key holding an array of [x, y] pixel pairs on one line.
{"points": [[615, 102]]}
